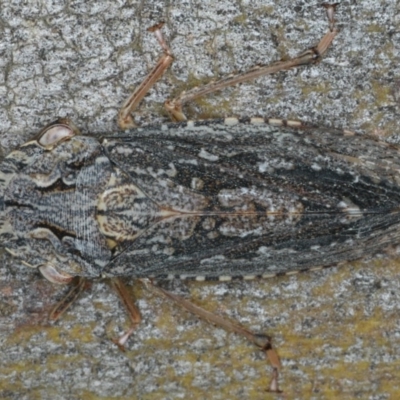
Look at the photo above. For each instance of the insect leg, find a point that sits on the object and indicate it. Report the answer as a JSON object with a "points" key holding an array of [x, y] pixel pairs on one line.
{"points": [[79, 284], [131, 309], [125, 120], [310, 56], [330, 13], [261, 341]]}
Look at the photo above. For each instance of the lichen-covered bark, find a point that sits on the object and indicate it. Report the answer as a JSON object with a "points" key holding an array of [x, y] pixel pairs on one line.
{"points": [[336, 331]]}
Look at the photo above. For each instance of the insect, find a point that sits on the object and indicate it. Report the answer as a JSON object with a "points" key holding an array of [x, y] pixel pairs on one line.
{"points": [[215, 200]]}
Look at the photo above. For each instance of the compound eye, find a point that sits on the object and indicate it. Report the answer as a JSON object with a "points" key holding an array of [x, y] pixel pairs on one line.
{"points": [[56, 132]]}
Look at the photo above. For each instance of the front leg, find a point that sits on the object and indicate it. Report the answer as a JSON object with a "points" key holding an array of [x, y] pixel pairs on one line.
{"points": [[125, 120]]}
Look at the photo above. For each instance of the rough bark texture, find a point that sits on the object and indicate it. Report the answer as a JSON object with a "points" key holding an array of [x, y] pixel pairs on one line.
{"points": [[336, 331]]}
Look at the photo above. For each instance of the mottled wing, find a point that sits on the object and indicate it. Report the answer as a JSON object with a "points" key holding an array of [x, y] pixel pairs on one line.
{"points": [[256, 199]]}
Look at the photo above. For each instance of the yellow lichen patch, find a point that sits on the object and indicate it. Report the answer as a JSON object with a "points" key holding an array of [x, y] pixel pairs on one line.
{"points": [[208, 109], [98, 305], [164, 318], [82, 333], [319, 87], [383, 94], [57, 361], [21, 366], [375, 28], [373, 328], [229, 363], [87, 395], [23, 334], [389, 376], [240, 19]]}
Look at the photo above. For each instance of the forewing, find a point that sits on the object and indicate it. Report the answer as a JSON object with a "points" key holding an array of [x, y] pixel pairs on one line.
{"points": [[256, 199]]}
